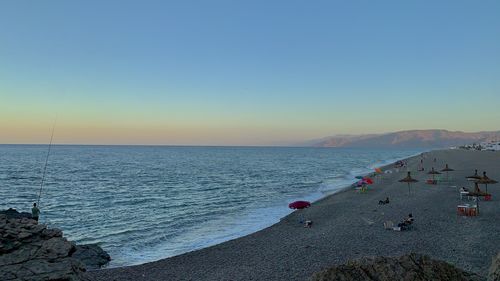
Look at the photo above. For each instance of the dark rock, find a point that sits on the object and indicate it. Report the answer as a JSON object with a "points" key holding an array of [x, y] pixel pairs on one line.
{"points": [[494, 273], [29, 251], [13, 214], [93, 256], [24, 231], [413, 267]]}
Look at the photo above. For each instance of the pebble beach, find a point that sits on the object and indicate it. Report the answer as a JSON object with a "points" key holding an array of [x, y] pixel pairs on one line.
{"points": [[349, 225]]}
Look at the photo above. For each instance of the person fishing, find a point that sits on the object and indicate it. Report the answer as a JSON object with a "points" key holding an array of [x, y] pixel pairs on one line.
{"points": [[35, 212]]}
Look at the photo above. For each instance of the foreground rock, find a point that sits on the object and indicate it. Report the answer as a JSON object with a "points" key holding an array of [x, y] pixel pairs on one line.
{"points": [[413, 267], [93, 256], [494, 273], [30, 251], [13, 214]]}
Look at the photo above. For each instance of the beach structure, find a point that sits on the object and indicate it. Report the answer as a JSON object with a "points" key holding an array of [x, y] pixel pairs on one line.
{"points": [[367, 180], [475, 194], [433, 173], [298, 205], [447, 169], [421, 165], [474, 177], [486, 180], [408, 179]]}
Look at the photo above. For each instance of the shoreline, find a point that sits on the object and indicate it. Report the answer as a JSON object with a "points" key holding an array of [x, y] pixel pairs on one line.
{"points": [[347, 226], [315, 196]]}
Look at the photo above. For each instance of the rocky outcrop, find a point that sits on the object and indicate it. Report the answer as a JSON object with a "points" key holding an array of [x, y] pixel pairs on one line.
{"points": [[13, 214], [413, 267], [93, 256], [30, 251], [494, 272]]}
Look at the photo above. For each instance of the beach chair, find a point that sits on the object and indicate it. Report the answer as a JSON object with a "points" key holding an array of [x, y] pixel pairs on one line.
{"points": [[389, 225]]}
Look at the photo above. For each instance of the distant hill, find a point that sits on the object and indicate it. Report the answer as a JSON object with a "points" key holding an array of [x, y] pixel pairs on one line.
{"points": [[413, 139]]}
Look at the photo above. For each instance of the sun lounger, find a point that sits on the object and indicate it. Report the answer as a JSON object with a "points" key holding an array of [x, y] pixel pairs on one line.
{"points": [[389, 225]]}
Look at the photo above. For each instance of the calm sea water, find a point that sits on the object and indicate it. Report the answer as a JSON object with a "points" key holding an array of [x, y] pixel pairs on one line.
{"points": [[144, 203]]}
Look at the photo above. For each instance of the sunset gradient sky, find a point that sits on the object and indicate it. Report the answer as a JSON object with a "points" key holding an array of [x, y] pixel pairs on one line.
{"points": [[244, 72]]}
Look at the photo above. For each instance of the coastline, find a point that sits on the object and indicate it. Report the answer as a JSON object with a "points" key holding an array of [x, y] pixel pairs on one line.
{"points": [[345, 186], [276, 213], [262, 250]]}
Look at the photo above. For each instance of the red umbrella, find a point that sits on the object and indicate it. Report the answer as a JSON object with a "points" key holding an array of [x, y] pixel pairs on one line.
{"points": [[367, 180], [299, 205]]}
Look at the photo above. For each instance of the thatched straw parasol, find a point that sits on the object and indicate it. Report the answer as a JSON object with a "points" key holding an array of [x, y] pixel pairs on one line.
{"points": [[485, 180], [476, 193], [447, 169], [408, 179], [473, 177], [433, 173], [421, 165]]}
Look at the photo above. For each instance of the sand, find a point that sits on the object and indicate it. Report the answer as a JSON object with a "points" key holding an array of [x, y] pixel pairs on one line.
{"points": [[349, 225]]}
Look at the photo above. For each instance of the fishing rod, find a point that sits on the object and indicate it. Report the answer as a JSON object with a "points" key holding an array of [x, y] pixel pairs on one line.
{"points": [[45, 166]]}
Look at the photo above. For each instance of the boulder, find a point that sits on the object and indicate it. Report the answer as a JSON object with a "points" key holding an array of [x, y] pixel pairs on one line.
{"points": [[412, 267], [93, 256], [13, 214], [30, 251], [494, 272]]}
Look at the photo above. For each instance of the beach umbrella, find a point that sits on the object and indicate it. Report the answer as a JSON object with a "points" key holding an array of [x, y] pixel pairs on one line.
{"points": [[299, 205], [433, 173], [473, 177], [421, 166], [367, 180], [476, 193], [485, 180], [378, 173], [408, 179], [447, 169]]}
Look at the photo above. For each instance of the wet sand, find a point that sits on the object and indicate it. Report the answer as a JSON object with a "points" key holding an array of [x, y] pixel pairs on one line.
{"points": [[349, 225]]}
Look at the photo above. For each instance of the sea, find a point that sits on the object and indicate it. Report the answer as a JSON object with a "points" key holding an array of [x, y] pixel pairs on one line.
{"points": [[144, 203]]}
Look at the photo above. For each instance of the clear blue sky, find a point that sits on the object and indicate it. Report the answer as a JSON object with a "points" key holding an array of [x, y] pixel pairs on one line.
{"points": [[244, 72]]}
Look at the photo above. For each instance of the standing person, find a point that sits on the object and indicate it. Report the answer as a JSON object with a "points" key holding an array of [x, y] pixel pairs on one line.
{"points": [[35, 212]]}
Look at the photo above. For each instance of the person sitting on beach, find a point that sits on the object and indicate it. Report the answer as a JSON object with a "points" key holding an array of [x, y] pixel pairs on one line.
{"points": [[409, 219], [383, 202], [308, 224], [406, 222], [35, 212]]}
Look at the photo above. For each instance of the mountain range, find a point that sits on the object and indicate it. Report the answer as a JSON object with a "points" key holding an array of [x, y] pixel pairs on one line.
{"points": [[412, 138]]}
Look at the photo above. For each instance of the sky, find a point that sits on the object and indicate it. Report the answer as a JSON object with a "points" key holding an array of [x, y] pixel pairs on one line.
{"points": [[244, 72]]}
